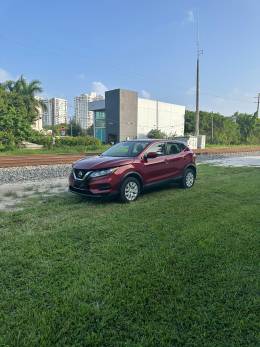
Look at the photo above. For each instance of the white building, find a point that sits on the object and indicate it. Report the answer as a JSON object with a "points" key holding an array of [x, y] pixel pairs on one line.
{"points": [[60, 110], [37, 125], [83, 116], [153, 114], [56, 111], [47, 113]]}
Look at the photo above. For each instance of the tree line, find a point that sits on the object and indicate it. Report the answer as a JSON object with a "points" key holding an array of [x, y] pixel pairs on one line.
{"points": [[240, 128], [19, 109]]}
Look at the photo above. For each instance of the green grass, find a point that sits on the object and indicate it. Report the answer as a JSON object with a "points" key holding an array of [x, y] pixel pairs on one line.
{"points": [[56, 150], [175, 268]]}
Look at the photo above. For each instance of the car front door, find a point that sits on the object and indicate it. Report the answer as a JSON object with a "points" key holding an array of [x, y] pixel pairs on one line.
{"points": [[155, 169]]}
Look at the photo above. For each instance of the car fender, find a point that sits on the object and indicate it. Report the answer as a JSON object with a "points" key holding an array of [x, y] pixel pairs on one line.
{"points": [[190, 165], [132, 173]]}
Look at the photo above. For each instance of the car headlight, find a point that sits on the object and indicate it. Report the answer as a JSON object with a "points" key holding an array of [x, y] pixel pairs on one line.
{"points": [[104, 172]]}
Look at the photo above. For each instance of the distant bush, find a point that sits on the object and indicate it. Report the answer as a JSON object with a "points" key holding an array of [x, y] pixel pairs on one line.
{"points": [[68, 141], [7, 140], [156, 134], [77, 141], [40, 138]]}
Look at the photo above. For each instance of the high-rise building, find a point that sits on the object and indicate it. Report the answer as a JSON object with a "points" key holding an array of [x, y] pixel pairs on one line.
{"points": [[47, 117], [37, 124], [56, 111], [83, 116], [60, 110]]}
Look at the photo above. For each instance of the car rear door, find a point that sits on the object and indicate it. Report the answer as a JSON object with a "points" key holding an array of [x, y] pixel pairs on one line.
{"points": [[176, 158]]}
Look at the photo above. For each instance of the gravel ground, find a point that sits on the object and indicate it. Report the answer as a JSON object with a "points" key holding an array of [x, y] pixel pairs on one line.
{"points": [[43, 172], [33, 173], [19, 183]]}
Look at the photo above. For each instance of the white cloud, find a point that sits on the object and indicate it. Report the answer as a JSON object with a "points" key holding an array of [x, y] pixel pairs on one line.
{"points": [[190, 16], [145, 94], [99, 88], [5, 75]]}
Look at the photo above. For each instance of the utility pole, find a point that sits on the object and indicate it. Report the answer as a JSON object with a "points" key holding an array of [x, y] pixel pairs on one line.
{"points": [[212, 127], [199, 53], [70, 126], [258, 103]]}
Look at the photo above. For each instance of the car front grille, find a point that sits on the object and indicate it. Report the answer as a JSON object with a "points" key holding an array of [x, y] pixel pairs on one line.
{"points": [[80, 174]]}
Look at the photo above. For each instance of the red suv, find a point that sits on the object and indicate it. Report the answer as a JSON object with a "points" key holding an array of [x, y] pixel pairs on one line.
{"points": [[128, 167]]}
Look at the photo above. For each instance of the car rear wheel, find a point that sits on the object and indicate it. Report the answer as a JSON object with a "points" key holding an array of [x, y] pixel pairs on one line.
{"points": [[188, 179], [130, 189]]}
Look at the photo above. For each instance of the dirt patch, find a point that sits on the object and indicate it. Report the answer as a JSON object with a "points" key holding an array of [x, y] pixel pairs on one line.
{"points": [[12, 196]]}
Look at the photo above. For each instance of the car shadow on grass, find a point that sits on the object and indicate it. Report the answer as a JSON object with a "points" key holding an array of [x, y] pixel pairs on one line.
{"points": [[147, 192]]}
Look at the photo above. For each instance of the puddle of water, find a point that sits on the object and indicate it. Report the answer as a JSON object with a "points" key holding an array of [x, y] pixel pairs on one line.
{"points": [[247, 161], [12, 195]]}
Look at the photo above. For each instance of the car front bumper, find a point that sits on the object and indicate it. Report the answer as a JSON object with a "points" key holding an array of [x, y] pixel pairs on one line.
{"points": [[95, 187]]}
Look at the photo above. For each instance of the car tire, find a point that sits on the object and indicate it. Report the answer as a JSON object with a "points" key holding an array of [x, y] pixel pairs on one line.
{"points": [[188, 179], [129, 190]]}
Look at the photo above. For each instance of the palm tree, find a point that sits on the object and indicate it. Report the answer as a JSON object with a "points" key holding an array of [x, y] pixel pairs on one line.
{"points": [[8, 85], [28, 91]]}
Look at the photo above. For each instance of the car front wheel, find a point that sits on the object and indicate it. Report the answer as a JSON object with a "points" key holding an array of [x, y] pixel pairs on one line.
{"points": [[130, 189], [188, 179]]}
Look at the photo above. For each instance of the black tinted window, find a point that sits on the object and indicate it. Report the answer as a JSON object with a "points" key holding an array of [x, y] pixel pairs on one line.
{"points": [[175, 148], [158, 148]]}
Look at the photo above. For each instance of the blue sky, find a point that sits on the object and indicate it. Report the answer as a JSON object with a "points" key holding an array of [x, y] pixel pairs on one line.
{"points": [[143, 45]]}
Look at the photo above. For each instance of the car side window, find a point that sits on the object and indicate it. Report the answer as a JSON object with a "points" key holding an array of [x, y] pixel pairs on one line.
{"points": [[158, 148], [174, 148]]}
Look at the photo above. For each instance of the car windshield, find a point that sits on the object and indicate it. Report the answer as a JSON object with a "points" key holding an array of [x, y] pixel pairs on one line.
{"points": [[126, 149]]}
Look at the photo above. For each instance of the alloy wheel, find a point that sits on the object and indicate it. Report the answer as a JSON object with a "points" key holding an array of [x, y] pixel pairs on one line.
{"points": [[189, 179], [131, 191]]}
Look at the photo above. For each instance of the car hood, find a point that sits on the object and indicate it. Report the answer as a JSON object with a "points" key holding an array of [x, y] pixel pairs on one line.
{"points": [[99, 162]]}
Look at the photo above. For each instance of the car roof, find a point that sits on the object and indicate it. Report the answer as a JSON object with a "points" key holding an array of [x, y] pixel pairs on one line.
{"points": [[154, 140]]}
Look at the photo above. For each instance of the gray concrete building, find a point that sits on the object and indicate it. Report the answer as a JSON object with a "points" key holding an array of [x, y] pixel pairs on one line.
{"points": [[123, 115]]}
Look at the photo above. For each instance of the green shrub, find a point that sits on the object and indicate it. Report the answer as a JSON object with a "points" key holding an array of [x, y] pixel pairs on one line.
{"points": [[7, 140], [156, 134], [77, 141], [40, 138]]}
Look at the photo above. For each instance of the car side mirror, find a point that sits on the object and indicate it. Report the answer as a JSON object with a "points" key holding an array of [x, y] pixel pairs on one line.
{"points": [[151, 155]]}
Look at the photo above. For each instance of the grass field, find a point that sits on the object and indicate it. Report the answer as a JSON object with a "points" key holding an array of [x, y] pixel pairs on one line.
{"points": [[175, 268]]}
